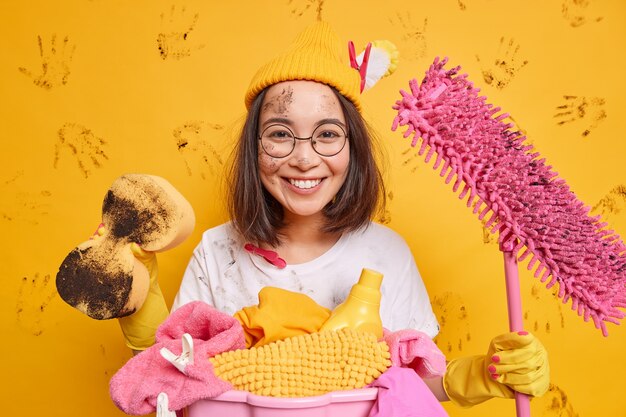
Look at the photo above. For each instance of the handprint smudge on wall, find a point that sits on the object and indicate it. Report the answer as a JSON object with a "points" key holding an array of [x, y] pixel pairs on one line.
{"points": [[611, 205], [590, 110], [174, 39], [109, 364], [539, 300], [104, 357], [453, 319], [487, 223], [506, 64], [576, 12], [300, 7], [411, 159], [193, 142], [33, 298], [414, 37], [554, 403], [55, 63], [84, 145], [488, 237], [518, 127], [385, 216], [27, 206]]}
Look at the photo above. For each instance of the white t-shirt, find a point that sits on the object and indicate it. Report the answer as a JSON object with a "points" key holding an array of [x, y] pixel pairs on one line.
{"points": [[223, 274]]}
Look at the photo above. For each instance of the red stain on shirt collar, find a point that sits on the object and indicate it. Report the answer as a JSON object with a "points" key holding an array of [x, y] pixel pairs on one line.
{"points": [[270, 256]]}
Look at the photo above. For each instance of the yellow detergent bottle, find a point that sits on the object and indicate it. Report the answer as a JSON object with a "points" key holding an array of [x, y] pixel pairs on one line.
{"points": [[361, 310]]}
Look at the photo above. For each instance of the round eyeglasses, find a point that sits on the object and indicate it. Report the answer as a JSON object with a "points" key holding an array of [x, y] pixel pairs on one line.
{"points": [[278, 141]]}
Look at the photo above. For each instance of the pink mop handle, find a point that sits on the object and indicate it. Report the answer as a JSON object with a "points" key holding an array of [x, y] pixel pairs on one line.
{"points": [[516, 324]]}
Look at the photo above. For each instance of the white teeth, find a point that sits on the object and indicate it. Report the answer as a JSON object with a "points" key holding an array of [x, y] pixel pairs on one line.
{"points": [[304, 184]]}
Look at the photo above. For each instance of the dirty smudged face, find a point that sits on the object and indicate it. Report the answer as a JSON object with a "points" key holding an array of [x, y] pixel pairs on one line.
{"points": [[304, 182]]}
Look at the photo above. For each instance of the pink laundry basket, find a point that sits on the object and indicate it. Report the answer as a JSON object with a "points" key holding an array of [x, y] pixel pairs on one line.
{"points": [[349, 403]]}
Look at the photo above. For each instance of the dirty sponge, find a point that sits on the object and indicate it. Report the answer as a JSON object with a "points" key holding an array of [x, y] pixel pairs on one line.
{"points": [[101, 277]]}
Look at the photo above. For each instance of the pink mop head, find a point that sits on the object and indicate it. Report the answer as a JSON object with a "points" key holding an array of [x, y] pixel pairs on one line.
{"points": [[525, 200]]}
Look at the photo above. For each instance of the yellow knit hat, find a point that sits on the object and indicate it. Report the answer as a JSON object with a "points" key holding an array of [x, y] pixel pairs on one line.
{"points": [[316, 54]]}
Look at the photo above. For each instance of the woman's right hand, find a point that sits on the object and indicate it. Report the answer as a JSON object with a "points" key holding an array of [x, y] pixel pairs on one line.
{"points": [[148, 259]]}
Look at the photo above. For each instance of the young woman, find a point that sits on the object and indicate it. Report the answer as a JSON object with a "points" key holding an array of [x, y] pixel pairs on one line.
{"points": [[305, 186]]}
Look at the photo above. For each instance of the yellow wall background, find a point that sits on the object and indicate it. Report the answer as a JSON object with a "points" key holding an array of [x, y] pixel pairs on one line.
{"points": [[92, 89]]}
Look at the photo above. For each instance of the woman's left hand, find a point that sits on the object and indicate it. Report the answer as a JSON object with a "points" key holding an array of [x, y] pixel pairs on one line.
{"points": [[515, 361], [520, 361]]}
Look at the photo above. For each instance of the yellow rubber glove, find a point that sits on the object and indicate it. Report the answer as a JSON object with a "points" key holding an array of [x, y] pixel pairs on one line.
{"points": [[140, 327], [514, 362]]}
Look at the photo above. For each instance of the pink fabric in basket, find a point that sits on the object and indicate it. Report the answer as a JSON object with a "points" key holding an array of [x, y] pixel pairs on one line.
{"points": [[413, 349], [402, 393], [135, 387]]}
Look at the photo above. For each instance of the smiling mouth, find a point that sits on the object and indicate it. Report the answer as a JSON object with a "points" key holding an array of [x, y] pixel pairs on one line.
{"points": [[304, 184]]}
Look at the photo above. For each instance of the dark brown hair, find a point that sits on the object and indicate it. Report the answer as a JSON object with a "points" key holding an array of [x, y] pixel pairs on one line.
{"points": [[258, 216]]}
